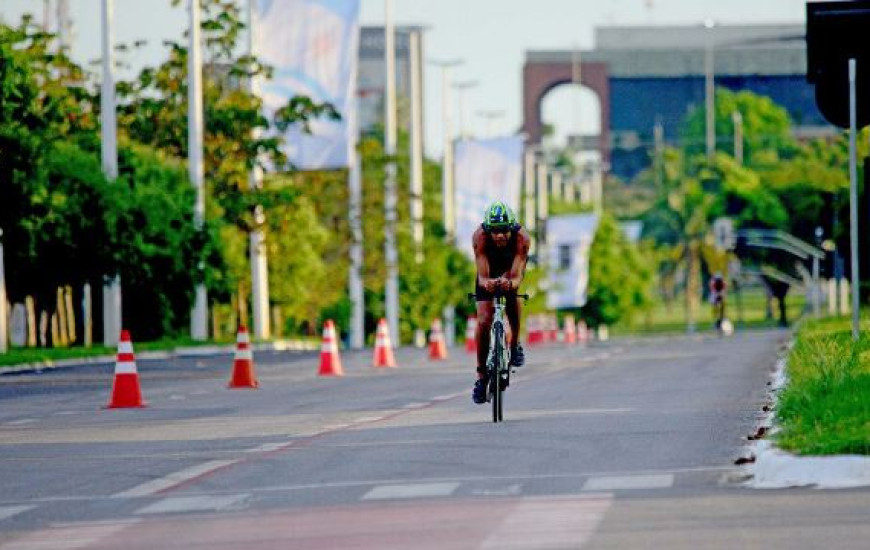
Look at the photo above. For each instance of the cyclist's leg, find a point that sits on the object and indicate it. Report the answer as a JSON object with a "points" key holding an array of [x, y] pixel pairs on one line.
{"points": [[485, 311], [513, 311], [484, 323]]}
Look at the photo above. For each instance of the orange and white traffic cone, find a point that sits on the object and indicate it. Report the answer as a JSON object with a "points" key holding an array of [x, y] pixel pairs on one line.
{"points": [[582, 332], [570, 329], [437, 344], [470, 333], [330, 362], [126, 391], [383, 346], [243, 363]]}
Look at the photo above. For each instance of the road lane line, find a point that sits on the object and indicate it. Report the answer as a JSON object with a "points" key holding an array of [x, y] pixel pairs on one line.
{"points": [[21, 422], [410, 490], [7, 512], [173, 479], [613, 483]]}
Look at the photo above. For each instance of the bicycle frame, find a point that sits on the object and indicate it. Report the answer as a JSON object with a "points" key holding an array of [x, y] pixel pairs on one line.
{"points": [[498, 370]]}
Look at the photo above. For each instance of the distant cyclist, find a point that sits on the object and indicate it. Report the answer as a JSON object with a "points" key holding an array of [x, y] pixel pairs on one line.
{"points": [[501, 250], [717, 298]]}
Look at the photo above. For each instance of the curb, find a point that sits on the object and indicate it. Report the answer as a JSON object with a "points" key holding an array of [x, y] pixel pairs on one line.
{"points": [[774, 468], [188, 351]]}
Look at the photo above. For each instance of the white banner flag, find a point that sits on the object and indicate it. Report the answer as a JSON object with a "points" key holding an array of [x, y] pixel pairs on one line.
{"points": [[486, 170], [569, 238], [313, 47]]}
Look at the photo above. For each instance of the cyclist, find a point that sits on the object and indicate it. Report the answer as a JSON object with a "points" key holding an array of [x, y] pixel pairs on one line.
{"points": [[717, 298], [501, 250]]}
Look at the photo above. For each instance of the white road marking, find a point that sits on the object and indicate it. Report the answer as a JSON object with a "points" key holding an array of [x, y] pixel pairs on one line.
{"points": [[415, 405], [9, 511], [552, 523], [21, 422], [68, 537], [366, 419], [447, 397], [173, 479], [413, 490], [509, 491], [174, 505], [613, 483], [268, 447]]}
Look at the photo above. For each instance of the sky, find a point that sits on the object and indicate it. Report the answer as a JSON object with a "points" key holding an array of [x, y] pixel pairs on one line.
{"points": [[489, 36]]}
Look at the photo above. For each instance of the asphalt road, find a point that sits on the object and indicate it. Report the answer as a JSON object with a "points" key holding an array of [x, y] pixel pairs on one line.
{"points": [[625, 444]]}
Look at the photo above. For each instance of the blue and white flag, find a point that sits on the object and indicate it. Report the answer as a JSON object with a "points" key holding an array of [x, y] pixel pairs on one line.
{"points": [[487, 170], [313, 47]]}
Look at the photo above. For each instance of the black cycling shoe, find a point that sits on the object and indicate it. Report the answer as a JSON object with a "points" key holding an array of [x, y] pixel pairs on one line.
{"points": [[518, 358], [478, 394]]}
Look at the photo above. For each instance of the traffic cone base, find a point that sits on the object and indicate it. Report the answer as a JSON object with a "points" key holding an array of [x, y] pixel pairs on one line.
{"points": [[126, 392], [330, 362], [243, 363]]}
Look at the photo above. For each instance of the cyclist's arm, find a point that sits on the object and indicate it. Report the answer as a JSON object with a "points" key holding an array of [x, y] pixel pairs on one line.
{"points": [[478, 242], [518, 268]]}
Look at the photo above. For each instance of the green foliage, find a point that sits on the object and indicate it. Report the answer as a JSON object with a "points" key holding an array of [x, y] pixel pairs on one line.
{"points": [[620, 277], [766, 128], [154, 241], [825, 408]]}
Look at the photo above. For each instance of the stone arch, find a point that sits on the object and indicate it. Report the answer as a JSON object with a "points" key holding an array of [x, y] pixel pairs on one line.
{"points": [[541, 77]]}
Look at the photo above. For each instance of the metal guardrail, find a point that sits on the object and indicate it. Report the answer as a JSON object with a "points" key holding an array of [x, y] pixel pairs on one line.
{"points": [[773, 238]]}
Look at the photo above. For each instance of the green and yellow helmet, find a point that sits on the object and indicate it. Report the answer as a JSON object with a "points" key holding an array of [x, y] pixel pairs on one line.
{"points": [[499, 217]]}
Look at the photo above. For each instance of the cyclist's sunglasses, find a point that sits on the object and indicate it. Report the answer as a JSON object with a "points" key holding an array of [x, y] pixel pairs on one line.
{"points": [[500, 230]]}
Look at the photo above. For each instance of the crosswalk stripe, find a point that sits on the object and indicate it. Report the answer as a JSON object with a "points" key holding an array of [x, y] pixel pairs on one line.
{"points": [[614, 483], [206, 503], [413, 490], [173, 479], [552, 523]]}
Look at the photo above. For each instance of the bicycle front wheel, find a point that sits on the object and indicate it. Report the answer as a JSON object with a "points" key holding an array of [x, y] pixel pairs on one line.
{"points": [[495, 375]]}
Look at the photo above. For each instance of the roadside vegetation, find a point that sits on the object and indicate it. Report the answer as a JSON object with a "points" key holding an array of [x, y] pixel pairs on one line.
{"points": [[825, 407]]}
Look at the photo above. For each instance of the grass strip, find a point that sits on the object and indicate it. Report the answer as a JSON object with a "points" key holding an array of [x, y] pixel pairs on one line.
{"points": [[824, 408]]}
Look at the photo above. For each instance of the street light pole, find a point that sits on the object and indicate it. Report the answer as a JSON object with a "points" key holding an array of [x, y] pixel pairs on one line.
{"points": [[490, 116], [391, 254], [709, 90], [258, 258], [461, 87], [4, 345], [738, 136], [199, 314], [109, 154], [447, 158], [416, 79]]}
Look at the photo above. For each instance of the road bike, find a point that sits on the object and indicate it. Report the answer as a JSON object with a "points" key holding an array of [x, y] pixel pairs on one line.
{"points": [[498, 370]]}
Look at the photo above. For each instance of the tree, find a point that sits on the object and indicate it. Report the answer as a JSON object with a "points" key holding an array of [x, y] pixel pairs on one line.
{"points": [[620, 277], [766, 128], [238, 136]]}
